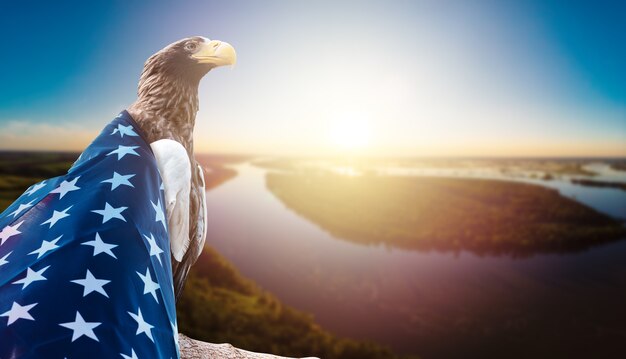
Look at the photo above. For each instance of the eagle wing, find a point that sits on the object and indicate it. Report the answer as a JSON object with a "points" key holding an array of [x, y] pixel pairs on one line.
{"points": [[197, 230], [185, 202], [175, 170], [202, 221]]}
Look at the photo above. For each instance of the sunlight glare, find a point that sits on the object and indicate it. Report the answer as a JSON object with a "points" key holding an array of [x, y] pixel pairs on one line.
{"points": [[350, 131]]}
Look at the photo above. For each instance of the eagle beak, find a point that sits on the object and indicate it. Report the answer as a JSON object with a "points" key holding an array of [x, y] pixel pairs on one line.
{"points": [[216, 53]]}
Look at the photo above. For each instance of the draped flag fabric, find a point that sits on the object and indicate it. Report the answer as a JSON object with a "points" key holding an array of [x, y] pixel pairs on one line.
{"points": [[85, 268]]}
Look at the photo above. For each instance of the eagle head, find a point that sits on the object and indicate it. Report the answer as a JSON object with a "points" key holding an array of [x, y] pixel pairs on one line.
{"points": [[189, 59]]}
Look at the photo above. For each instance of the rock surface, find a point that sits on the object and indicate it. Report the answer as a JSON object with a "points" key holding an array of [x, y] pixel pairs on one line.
{"points": [[195, 349]]}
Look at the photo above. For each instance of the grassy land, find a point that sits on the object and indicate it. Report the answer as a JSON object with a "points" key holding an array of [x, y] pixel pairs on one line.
{"points": [[218, 304], [484, 216], [19, 170]]}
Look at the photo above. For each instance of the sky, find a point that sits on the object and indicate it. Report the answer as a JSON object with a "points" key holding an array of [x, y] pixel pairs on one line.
{"points": [[381, 78]]}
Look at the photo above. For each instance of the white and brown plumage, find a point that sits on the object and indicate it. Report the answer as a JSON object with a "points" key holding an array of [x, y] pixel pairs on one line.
{"points": [[165, 110]]}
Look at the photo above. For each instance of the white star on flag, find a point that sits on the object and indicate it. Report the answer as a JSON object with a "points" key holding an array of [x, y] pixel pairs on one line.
{"points": [[155, 250], [100, 247], [132, 355], [21, 208], [46, 246], [110, 212], [18, 312], [56, 216], [66, 187], [4, 260], [159, 216], [35, 188], [80, 327], [92, 284], [9, 231], [148, 285], [31, 276], [118, 180], [142, 325], [123, 151], [124, 130]]}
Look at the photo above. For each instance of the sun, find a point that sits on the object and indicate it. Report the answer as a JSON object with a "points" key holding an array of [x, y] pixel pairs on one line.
{"points": [[350, 131]]}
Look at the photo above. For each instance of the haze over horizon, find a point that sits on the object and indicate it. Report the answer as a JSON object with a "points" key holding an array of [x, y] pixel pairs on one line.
{"points": [[371, 78]]}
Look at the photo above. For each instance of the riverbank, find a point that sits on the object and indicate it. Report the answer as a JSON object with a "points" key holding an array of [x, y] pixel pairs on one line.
{"points": [[446, 214], [217, 168], [218, 305]]}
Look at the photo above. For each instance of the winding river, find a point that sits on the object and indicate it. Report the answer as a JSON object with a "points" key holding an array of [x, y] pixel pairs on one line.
{"points": [[434, 304]]}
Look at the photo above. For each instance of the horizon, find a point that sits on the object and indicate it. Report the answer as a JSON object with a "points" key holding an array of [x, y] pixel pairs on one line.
{"points": [[387, 79], [357, 156]]}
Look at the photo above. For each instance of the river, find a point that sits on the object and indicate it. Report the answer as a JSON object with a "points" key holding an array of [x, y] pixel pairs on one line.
{"points": [[434, 304]]}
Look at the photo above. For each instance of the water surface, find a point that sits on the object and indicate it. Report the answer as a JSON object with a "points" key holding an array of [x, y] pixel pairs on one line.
{"points": [[438, 305]]}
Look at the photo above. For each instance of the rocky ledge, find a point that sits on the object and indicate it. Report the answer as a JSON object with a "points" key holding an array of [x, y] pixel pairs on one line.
{"points": [[195, 349]]}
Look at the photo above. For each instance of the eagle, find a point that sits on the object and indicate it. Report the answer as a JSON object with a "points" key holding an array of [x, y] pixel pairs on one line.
{"points": [[165, 110]]}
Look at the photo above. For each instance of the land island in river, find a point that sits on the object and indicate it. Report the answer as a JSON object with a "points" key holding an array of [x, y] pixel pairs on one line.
{"points": [[430, 213]]}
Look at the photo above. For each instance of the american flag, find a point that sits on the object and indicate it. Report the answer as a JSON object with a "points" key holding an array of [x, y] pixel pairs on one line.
{"points": [[85, 266]]}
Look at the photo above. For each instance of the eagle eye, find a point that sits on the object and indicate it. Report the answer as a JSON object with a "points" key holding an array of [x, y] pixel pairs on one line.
{"points": [[191, 46]]}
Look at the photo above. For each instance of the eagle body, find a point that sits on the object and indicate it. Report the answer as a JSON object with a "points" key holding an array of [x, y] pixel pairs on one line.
{"points": [[165, 110]]}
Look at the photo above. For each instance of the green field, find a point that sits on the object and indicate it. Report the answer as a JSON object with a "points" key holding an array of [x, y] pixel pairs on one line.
{"points": [[448, 214], [19, 170]]}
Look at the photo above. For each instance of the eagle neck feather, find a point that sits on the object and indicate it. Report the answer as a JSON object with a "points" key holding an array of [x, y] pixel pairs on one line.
{"points": [[166, 108]]}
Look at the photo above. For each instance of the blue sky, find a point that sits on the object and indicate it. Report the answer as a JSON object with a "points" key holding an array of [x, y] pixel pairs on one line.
{"points": [[410, 77]]}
